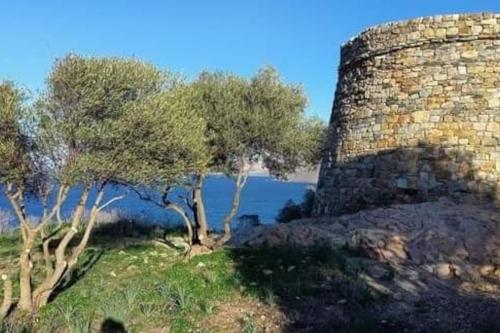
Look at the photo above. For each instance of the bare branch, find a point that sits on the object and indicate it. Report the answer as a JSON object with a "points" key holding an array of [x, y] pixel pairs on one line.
{"points": [[186, 219], [120, 197], [61, 198]]}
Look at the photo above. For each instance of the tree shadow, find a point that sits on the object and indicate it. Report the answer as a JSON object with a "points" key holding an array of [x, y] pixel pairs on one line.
{"points": [[118, 234], [331, 289], [72, 277], [324, 289], [317, 288]]}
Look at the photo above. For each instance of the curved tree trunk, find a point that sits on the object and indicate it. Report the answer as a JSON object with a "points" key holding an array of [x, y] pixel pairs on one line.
{"points": [[25, 267], [235, 206], [25, 264], [42, 294], [29, 235], [199, 211], [7, 296], [189, 226]]}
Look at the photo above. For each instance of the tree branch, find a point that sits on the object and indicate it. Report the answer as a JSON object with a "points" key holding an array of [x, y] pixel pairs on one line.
{"points": [[228, 219], [120, 197], [61, 198]]}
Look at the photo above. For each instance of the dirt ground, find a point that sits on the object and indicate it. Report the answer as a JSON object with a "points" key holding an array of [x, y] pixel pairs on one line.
{"points": [[437, 263]]}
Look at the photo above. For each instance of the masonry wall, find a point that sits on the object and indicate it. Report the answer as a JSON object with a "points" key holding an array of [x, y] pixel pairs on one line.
{"points": [[416, 115]]}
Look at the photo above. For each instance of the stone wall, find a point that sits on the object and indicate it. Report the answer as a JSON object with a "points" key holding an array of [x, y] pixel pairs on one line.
{"points": [[416, 115]]}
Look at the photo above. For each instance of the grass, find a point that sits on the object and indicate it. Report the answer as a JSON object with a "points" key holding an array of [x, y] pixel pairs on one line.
{"points": [[142, 287]]}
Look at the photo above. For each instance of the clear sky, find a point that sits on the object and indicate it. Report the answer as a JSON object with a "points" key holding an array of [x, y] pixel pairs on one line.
{"points": [[301, 38]]}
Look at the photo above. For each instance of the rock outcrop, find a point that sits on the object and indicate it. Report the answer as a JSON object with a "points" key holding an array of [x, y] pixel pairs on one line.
{"points": [[442, 238]]}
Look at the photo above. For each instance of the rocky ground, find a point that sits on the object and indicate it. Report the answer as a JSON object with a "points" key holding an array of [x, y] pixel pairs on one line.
{"points": [[438, 263]]}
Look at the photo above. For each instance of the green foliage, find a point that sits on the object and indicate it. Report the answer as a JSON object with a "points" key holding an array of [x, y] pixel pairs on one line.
{"points": [[257, 119], [292, 211], [307, 205], [248, 324], [16, 327], [14, 144], [74, 321], [171, 144], [82, 117]]}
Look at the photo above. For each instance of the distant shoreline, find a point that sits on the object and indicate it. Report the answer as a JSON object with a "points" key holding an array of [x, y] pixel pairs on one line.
{"points": [[305, 176]]}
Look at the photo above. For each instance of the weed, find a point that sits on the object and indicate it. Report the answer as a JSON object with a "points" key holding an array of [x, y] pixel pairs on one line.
{"points": [[248, 324], [115, 308], [148, 309], [269, 297], [130, 296], [73, 320], [15, 327], [208, 308], [181, 298]]}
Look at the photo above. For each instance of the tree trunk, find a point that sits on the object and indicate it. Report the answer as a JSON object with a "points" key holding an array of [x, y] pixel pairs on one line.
{"points": [[42, 294], [199, 210], [88, 230], [235, 206], [189, 226], [7, 296], [46, 252], [25, 267], [28, 236]]}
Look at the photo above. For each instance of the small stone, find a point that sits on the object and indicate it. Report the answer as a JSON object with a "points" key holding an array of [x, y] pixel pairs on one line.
{"points": [[201, 265], [443, 271], [476, 29], [486, 270], [4, 277], [113, 274], [469, 54], [420, 116]]}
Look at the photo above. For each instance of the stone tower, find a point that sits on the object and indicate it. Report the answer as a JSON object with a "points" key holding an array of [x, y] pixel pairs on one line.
{"points": [[416, 115]]}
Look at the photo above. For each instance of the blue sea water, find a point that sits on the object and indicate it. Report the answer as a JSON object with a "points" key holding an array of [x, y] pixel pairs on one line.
{"points": [[262, 196]]}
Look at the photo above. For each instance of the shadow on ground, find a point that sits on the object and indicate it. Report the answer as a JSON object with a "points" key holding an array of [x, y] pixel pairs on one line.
{"points": [[112, 326], [321, 289]]}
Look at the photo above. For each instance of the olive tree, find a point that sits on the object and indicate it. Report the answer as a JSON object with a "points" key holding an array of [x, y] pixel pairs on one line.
{"points": [[175, 149], [14, 162], [91, 128], [248, 121]]}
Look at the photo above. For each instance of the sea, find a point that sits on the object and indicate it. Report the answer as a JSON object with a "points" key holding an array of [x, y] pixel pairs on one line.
{"points": [[262, 196]]}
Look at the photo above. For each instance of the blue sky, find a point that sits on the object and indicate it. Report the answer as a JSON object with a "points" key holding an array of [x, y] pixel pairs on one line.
{"points": [[300, 38]]}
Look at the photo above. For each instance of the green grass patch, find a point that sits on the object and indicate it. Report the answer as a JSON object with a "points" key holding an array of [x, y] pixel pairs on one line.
{"points": [[141, 287]]}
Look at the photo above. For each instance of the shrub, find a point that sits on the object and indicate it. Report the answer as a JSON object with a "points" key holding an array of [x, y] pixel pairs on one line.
{"points": [[292, 211]]}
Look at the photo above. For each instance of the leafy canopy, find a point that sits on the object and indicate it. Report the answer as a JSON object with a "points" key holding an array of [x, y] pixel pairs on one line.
{"points": [[14, 144], [114, 119], [257, 119]]}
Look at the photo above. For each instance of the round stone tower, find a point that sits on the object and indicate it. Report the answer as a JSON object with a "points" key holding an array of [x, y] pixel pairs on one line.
{"points": [[416, 115]]}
